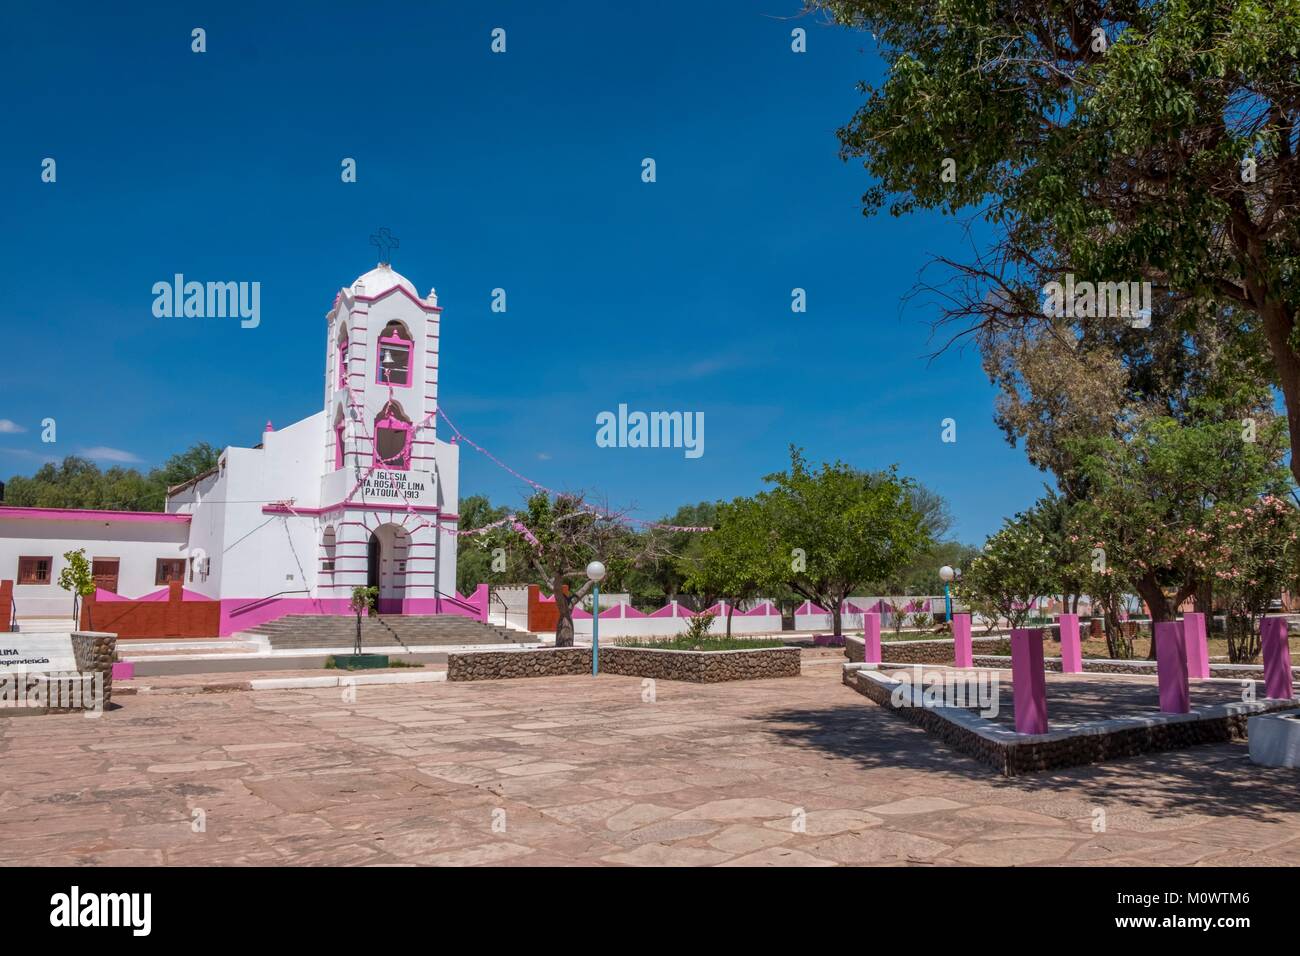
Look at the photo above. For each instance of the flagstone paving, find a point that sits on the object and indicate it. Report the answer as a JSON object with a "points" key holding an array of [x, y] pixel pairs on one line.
{"points": [[612, 770]]}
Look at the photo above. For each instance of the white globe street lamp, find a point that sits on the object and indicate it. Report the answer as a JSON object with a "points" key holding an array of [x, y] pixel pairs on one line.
{"points": [[946, 574], [595, 574]]}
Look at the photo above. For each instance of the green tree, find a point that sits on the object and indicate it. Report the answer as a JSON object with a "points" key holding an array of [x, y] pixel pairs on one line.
{"points": [[76, 577], [560, 536], [837, 528], [1153, 492], [1012, 571], [1116, 140], [196, 460], [79, 483], [492, 557], [678, 554], [921, 574], [364, 600], [735, 560]]}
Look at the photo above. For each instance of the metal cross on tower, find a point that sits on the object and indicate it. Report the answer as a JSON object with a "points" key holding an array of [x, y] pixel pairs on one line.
{"points": [[385, 242]]}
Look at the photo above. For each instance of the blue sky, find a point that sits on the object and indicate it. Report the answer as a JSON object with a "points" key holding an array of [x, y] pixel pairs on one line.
{"points": [[519, 170]]}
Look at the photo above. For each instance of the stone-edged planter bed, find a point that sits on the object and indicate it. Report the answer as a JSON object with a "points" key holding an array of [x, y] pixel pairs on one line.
{"points": [[1013, 754], [698, 667], [996, 652]]}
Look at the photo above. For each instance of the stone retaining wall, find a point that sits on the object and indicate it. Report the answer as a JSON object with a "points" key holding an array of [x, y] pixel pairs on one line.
{"points": [[929, 651], [499, 665], [1013, 754], [699, 667]]}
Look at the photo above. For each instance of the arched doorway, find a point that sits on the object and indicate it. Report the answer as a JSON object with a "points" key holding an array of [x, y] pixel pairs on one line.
{"points": [[372, 561], [386, 566]]}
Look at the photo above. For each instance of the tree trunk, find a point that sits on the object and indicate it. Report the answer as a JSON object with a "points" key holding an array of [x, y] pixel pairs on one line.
{"points": [[564, 629], [1279, 323], [1157, 603], [836, 618], [564, 605], [731, 606], [1205, 597]]}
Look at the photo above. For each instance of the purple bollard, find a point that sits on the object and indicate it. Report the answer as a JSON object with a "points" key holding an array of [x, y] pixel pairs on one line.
{"points": [[1171, 668], [1071, 650], [1277, 658], [871, 637], [963, 655], [1028, 684], [1198, 648]]}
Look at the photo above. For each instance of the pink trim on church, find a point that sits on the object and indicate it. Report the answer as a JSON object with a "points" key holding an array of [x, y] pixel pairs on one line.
{"points": [[284, 509], [402, 289]]}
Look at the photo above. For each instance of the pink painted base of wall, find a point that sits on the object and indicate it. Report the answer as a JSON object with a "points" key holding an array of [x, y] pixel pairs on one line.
{"points": [[237, 616]]}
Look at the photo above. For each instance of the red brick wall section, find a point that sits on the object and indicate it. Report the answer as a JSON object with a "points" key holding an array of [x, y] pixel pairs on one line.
{"points": [[543, 616], [171, 618], [6, 604]]}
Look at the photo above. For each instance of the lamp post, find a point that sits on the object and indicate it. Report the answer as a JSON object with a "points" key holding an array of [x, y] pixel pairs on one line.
{"points": [[946, 574], [596, 574]]}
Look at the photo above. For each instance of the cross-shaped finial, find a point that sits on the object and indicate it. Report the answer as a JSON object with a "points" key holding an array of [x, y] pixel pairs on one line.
{"points": [[385, 242]]}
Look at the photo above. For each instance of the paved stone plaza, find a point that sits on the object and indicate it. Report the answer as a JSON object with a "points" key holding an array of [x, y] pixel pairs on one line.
{"points": [[575, 770]]}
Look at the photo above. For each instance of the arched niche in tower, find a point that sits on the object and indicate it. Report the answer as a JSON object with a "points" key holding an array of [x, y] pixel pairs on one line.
{"points": [[393, 436], [342, 346], [394, 358]]}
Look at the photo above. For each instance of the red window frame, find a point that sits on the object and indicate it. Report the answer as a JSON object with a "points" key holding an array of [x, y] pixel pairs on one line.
{"points": [[30, 570], [167, 570]]}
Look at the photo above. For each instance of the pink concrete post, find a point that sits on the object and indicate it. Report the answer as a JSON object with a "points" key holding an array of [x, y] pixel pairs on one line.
{"points": [[1028, 685], [1171, 668], [1277, 658], [871, 638], [1071, 650], [963, 654], [1198, 648]]}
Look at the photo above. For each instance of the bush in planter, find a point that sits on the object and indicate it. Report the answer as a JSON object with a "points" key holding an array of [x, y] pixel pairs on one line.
{"points": [[698, 627]]}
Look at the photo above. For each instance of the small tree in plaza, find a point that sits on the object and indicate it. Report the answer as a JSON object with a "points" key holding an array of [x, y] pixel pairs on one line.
{"points": [[698, 627], [76, 577], [837, 528], [364, 600], [1012, 571]]}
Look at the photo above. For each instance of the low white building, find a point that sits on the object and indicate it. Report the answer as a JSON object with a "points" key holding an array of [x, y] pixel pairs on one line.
{"points": [[362, 492]]}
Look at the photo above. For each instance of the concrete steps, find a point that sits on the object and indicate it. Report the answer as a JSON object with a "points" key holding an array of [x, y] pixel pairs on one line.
{"points": [[46, 625], [386, 631]]}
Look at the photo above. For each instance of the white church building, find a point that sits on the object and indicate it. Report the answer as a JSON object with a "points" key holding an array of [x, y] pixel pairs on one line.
{"points": [[360, 493]]}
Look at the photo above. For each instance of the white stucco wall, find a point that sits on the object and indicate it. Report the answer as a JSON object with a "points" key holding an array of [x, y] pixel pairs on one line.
{"points": [[252, 554], [136, 545]]}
